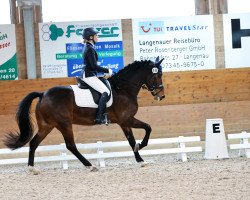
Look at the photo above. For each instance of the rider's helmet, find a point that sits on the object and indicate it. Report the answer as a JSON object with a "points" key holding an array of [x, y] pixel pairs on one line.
{"points": [[87, 32]]}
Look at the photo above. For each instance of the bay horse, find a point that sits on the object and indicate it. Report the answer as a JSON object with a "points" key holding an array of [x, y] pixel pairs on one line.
{"points": [[56, 108]]}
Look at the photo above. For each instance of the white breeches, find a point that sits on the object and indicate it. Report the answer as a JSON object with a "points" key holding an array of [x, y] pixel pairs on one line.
{"points": [[96, 84]]}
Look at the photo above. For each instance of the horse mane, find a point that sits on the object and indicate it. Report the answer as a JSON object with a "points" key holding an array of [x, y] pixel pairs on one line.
{"points": [[133, 66], [129, 69]]}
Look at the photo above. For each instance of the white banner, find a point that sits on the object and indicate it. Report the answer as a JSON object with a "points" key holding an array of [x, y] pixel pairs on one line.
{"points": [[61, 47], [185, 43], [237, 40]]}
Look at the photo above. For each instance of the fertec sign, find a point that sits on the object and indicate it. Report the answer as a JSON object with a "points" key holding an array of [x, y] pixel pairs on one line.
{"points": [[61, 47], [185, 43]]}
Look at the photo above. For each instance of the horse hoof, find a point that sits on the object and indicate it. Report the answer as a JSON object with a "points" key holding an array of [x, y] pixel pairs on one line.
{"points": [[137, 147], [93, 168], [143, 164], [33, 170]]}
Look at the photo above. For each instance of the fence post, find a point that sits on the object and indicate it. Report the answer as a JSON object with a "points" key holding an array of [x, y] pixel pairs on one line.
{"points": [[100, 159], [182, 156], [243, 152], [63, 154]]}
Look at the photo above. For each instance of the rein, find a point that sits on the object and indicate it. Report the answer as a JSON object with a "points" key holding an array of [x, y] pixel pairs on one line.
{"points": [[129, 82], [144, 86]]}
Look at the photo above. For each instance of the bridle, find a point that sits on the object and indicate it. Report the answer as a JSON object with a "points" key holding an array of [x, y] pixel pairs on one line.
{"points": [[153, 88]]}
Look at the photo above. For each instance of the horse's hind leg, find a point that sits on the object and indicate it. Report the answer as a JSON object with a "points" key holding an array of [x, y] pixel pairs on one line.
{"points": [[67, 132], [130, 137], [36, 140]]}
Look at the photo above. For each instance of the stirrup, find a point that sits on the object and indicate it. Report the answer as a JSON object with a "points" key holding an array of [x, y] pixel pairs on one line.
{"points": [[103, 120]]}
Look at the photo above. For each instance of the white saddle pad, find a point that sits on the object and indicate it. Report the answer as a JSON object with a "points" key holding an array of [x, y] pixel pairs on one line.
{"points": [[84, 98]]}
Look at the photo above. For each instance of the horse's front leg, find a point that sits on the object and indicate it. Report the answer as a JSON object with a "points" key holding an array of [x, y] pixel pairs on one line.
{"points": [[135, 123], [139, 124], [130, 137]]}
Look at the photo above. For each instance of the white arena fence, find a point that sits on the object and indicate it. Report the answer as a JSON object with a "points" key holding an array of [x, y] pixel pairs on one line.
{"points": [[243, 146], [102, 151]]}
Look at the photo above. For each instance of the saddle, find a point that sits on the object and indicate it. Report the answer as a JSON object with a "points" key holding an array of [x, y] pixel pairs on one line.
{"points": [[86, 96]]}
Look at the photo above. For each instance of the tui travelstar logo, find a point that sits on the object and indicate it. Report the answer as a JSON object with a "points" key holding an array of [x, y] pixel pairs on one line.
{"points": [[238, 33], [53, 32], [151, 27]]}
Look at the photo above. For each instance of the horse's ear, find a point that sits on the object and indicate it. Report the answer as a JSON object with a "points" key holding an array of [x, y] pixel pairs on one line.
{"points": [[157, 59], [159, 62]]}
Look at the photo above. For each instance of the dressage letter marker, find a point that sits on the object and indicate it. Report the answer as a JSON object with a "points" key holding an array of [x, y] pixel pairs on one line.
{"points": [[216, 128], [238, 33], [215, 146]]}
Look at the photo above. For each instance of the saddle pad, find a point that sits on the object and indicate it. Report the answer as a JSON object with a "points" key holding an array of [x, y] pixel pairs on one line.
{"points": [[84, 98]]}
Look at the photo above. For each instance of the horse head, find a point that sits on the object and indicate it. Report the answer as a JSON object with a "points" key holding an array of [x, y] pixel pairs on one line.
{"points": [[154, 81]]}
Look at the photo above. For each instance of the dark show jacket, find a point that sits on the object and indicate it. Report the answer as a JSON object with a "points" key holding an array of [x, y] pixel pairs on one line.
{"points": [[90, 59]]}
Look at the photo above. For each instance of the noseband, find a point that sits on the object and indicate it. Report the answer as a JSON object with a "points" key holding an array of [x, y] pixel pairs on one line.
{"points": [[153, 88]]}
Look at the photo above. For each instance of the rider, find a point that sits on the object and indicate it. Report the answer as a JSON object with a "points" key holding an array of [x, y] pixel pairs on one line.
{"points": [[90, 70]]}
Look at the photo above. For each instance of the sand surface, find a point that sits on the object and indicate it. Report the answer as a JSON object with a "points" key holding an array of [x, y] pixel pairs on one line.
{"points": [[163, 178]]}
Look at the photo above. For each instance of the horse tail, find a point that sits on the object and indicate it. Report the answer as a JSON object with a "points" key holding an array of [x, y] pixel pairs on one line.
{"points": [[15, 140]]}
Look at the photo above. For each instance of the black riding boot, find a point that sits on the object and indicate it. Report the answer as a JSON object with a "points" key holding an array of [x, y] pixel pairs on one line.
{"points": [[101, 116]]}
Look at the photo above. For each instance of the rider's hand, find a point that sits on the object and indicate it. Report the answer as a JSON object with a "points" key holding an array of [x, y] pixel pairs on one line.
{"points": [[110, 73]]}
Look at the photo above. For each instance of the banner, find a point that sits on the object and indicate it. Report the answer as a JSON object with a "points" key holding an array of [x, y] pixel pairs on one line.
{"points": [[185, 43], [8, 57], [237, 40], [61, 47]]}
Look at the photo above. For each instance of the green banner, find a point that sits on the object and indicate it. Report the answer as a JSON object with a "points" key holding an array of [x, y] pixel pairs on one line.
{"points": [[8, 70], [8, 53]]}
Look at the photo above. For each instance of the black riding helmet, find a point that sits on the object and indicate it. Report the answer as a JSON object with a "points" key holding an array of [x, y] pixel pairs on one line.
{"points": [[87, 32]]}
